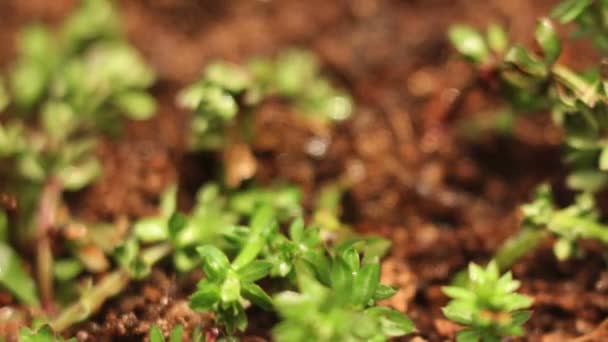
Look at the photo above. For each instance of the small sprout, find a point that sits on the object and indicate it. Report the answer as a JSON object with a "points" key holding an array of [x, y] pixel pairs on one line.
{"points": [[487, 306]]}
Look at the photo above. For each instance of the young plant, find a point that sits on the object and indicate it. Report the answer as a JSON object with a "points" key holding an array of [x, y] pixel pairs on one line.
{"points": [[336, 302], [227, 285], [578, 103], [487, 306], [227, 90], [67, 89]]}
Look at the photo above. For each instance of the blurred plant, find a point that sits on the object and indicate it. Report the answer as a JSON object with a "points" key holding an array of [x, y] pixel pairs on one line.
{"points": [[227, 89], [336, 302], [301, 256], [590, 16], [67, 88], [487, 306], [579, 106], [228, 285]]}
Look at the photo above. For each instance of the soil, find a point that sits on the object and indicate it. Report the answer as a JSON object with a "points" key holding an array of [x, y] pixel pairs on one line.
{"points": [[443, 199]]}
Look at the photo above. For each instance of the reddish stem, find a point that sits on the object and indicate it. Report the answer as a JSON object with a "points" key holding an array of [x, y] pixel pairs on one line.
{"points": [[46, 217]]}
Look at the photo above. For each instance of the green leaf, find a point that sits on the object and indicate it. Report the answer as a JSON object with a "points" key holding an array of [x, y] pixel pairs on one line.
{"points": [[384, 292], [570, 9], [468, 335], [215, 262], [256, 295], [365, 284], [15, 278], [44, 334], [255, 270], [341, 277], [351, 258], [296, 229], [78, 175], [603, 161], [205, 297], [151, 229], [137, 105], [177, 223], [28, 83], [168, 201], [231, 288], [563, 249], [469, 42], [228, 76], [262, 224], [156, 335], [393, 322], [176, 334], [548, 40], [66, 269], [587, 180], [497, 38], [526, 62]]}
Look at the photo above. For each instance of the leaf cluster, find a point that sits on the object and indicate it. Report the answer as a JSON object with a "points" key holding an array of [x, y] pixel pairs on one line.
{"points": [[487, 305], [67, 87], [227, 89], [345, 287]]}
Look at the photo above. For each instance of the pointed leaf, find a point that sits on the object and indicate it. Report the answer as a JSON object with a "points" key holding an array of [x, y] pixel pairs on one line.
{"points": [[548, 40]]}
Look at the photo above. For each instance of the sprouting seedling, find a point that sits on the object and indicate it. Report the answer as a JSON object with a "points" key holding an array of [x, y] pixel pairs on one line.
{"points": [[487, 306], [336, 302], [227, 89], [230, 284]]}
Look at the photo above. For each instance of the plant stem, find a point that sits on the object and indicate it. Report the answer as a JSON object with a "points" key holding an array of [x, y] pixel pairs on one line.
{"points": [[108, 287], [517, 246], [47, 209], [111, 285]]}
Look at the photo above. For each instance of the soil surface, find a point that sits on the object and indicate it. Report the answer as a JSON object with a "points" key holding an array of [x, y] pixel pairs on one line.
{"points": [[442, 198]]}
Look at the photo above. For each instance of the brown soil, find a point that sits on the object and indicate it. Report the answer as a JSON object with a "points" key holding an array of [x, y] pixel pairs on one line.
{"points": [[442, 199]]}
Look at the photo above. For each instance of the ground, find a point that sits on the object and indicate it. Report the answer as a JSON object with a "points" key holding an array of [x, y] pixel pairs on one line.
{"points": [[443, 199]]}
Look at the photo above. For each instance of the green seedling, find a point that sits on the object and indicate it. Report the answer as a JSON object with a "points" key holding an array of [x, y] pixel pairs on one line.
{"points": [[227, 90], [230, 284], [336, 302], [533, 81], [487, 306]]}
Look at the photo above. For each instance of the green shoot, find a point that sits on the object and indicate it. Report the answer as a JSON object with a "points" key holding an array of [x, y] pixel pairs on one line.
{"points": [[487, 307], [226, 89]]}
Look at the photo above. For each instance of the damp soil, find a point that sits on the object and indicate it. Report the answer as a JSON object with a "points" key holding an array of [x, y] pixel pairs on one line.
{"points": [[442, 198]]}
